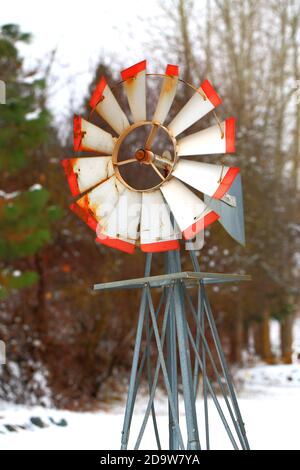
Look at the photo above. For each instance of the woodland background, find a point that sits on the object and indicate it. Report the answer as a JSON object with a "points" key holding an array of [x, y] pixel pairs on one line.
{"points": [[70, 347]]}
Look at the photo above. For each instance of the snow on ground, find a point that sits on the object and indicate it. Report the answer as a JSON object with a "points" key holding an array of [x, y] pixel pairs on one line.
{"points": [[269, 402], [275, 338], [264, 375]]}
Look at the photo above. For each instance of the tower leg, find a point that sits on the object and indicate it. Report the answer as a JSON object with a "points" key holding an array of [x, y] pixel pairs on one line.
{"points": [[134, 367], [186, 372], [172, 373], [185, 361], [228, 379], [172, 361]]}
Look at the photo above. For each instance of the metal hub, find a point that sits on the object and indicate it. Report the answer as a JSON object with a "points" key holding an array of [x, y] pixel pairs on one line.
{"points": [[143, 156], [162, 165]]}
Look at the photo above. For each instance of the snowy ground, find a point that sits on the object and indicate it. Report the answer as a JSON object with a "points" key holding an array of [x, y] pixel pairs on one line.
{"points": [[269, 403]]}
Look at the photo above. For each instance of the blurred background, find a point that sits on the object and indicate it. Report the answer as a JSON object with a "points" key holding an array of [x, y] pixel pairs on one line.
{"points": [[68, 347]]}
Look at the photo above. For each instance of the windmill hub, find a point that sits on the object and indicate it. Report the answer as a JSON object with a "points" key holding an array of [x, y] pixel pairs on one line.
{"points": [[146, 157], [143, 156], [152, 146]]}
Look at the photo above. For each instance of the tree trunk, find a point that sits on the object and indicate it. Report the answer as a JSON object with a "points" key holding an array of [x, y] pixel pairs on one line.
{"points": [[257, 335], [262, 344], [286, 338], [266, 343], [236, 339], [246, 335], [184, 11]]}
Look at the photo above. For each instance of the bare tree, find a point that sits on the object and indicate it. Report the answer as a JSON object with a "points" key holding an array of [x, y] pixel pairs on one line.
{"points": [[250, 49]]}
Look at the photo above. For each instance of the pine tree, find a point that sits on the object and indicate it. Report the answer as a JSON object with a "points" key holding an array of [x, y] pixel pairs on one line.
{"points": [[26, 214]]}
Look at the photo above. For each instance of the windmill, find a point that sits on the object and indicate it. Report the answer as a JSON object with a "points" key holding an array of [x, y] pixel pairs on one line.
{"points": [[154, 213]]}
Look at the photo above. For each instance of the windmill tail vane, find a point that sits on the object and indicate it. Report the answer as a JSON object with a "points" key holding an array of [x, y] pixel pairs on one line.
{"points": [[122, 214]]}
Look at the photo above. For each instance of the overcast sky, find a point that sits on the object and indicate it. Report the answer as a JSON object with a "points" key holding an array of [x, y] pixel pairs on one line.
{"points": [[82, 31]]}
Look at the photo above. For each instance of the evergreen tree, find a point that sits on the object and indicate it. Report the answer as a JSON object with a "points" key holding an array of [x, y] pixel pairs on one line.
{"points": [[26, 213]]}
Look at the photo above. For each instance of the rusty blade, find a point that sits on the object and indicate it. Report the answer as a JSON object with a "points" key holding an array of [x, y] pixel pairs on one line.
{"points": [[167, 93], [84, 173], [210, 140], [190, 212], [213, 180], [158, 233], [201, 103], [96, 205], [106, 105], [134, 79], [120, 229], [88, 137]]}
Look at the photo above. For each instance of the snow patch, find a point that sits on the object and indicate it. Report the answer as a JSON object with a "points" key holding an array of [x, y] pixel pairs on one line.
{"points": [[35, 187], [271, 417], [282, 375], [6, 195]]}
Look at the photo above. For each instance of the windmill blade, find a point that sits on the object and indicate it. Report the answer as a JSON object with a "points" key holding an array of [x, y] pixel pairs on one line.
{"points": [[84, 173], [158, 233], [231, 218], [106, 105], [135, 87], [210, 140], [213, 180], [190, 212], [120, 229], [96, 205], [201, 103], [89, 137], [167, 93]]}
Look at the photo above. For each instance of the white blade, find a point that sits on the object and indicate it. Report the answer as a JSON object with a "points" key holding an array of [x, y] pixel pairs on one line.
{"points": [[135, 87], [157, 231], [89, 137], [84, 173], [210, 140], [106, 105], [120, 230], [167, 94], [190, 212], [199, 105], [213, 180], [95, 206]]}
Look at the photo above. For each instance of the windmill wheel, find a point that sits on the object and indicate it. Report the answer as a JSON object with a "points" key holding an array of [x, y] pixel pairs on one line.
{"points": [[155, 217]]}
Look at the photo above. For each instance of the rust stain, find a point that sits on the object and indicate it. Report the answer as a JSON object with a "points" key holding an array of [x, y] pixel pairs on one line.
{"points": [[84, 212], [130, 81], [86, 205], [85, 208], [69, 165], [168, 85]]}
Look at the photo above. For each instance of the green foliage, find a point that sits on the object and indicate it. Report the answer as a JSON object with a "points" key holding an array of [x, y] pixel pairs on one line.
{"points": [[24, 120], [26, 215], [12, 31], [17, 280], [25, 223]]}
